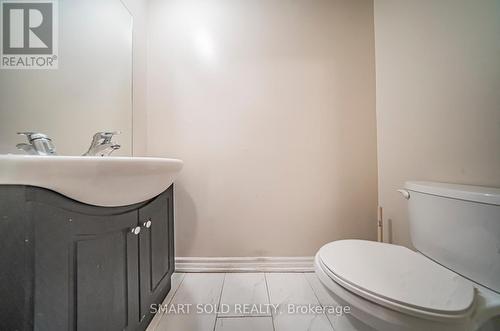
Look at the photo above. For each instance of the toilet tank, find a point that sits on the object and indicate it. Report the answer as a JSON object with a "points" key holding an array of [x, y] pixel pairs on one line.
{"points": [[458, 226]]}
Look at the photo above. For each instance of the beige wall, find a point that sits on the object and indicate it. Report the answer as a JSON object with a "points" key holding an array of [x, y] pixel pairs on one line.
{"points": [[271, 106], [438, 97]]}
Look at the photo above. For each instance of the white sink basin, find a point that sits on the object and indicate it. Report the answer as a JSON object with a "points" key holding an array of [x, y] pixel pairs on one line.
{"points": [[99, 181]]}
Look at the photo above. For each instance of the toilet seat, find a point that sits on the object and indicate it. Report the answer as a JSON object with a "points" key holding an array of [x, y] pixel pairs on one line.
{"points": [[398, 278]]}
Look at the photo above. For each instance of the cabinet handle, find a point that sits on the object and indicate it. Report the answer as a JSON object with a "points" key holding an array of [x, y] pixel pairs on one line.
{"points": [[136, 230], [147, 224]]}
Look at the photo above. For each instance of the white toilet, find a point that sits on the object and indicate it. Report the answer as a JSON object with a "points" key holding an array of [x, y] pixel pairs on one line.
{"points": [[452, 283]]}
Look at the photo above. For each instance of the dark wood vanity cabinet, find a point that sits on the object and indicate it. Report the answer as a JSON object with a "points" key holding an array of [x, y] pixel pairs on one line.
{"points": [[71, 266], [156, 253]]}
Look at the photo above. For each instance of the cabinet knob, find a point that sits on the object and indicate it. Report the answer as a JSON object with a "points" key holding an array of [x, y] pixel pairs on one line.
{"points": [[147, 224], [136, 230]]}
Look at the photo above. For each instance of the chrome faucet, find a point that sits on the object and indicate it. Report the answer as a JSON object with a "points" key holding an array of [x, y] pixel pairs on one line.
{"points": [[102, 145], [38, 144]]}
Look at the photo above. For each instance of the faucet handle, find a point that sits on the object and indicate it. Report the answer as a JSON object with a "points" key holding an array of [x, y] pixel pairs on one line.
{"points": [[26, 134], [106, 136], [101, 144], [107, 133], [33, 135]]}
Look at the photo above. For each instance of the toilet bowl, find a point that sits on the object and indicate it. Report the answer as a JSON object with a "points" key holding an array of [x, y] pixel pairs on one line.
{"points": [[390, 287]]}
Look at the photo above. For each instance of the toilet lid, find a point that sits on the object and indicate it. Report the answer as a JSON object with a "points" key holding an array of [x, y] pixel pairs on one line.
{"points": [[397, 277]]}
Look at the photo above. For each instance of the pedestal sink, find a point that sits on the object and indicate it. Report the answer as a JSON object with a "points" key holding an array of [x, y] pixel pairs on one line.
{"points": [[99, 181]]}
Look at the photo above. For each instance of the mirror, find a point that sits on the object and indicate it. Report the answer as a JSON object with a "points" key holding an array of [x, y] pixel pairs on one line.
{"points": [[90, 91]]}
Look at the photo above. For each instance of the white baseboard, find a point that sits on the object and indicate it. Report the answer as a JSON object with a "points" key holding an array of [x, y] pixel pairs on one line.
{"points": [[244, 264]]}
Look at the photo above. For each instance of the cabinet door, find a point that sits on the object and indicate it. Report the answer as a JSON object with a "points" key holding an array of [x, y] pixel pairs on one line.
{"points": [[86, 270], [16, 256], [156, 251]]}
